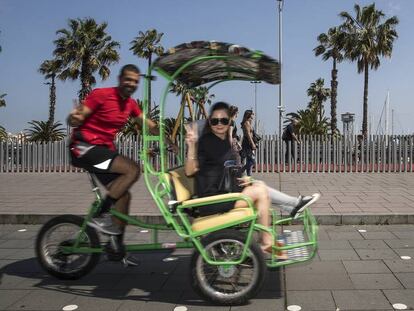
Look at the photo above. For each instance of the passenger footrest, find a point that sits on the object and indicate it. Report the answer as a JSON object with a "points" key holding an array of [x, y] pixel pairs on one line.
{"points": [[295, 237]]}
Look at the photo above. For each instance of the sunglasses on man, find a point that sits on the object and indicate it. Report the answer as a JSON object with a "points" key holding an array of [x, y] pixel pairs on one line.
{"points": [[216, 121]]}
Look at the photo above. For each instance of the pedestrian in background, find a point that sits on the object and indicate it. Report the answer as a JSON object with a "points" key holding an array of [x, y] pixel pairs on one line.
{"points": [[248, 152]]}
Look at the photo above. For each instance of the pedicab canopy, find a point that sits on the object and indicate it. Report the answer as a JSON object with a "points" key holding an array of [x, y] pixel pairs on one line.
{"points": [[208, 61]]}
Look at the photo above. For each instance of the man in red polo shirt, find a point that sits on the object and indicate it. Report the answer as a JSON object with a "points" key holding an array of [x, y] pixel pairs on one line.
{"points": [[101, 116]]}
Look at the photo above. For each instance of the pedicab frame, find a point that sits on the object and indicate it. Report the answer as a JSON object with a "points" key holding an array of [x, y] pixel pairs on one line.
{"points": [[222, 62]]}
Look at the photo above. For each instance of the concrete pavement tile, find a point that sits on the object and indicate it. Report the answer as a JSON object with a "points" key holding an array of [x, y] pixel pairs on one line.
{"points": [[192, 301], [405, 252], [348, 199], [400, 228], [340, 228], [364, 266], [372, 300], [322, 235], [400, 243], [174, 282], [159, 301], [337, 254], [16, 235], [42, 300], [6, 252], [337, 244], [317, 281], [345, 235], [22, 254], [265, 300], [368, 244], [26, 281], [311, 300], [20, 267], [400, 265], [407, 279], [17, 244], [145, 283], [378, 235], [10, 296], [404, 234], [404, 296], [375, 281], [103, 301], [93, 282], [273, 281], [315, 267], [371, 254]]}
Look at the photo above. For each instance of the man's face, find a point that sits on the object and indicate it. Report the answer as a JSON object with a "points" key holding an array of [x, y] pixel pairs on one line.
{"points": [[128, 83]]}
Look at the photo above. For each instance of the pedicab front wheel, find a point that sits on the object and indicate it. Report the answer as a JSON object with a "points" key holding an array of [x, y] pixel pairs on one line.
{"points": [[62, 232], [228, 284]]}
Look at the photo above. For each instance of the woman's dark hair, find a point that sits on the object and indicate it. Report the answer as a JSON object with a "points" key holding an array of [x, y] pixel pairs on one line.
{"points": [[233, 110], [246, 116], [129, 67], [216, 106], [220, 106]]}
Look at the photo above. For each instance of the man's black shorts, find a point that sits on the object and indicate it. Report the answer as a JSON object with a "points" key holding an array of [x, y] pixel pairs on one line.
{"points": [[94, 159]]}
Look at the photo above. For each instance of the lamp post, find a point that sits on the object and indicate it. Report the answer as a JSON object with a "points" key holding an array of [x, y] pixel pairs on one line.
{"points": [[280, 106], [255, 102]]}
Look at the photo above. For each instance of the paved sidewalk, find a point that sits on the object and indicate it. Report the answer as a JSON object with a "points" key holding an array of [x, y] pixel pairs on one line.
{"points": [[347, 198], [353, 270]]}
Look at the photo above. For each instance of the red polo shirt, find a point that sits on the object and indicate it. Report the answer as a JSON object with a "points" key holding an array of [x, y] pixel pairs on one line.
{"points": [[109, 115]]}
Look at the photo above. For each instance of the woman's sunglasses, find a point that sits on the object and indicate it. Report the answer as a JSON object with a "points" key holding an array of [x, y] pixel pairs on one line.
{"points": [[216, 121]]}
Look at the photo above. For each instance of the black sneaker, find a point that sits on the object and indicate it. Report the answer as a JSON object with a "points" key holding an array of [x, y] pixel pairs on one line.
{"points": [[115, 251], [104, 224], [304, 202]]}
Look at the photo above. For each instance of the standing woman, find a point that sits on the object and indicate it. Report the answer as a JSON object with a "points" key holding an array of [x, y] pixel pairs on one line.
{"points": [[248, 144], [233, 136]]}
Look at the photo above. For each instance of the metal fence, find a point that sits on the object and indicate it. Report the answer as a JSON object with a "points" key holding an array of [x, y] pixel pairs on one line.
{"points": [[318, 154]]}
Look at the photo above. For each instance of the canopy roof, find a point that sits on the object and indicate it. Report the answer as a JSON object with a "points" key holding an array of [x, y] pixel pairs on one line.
{"points": [[235, 63]]}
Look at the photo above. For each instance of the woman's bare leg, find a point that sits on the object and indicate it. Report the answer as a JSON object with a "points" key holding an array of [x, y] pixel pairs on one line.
{"points": [[260, 197]]}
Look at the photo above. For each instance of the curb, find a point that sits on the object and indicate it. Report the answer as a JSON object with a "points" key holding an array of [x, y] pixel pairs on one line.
{"points": [[348, 219]]}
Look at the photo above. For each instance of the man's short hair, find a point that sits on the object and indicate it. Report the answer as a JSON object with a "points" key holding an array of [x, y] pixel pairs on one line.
{"points": [[129, 67]]}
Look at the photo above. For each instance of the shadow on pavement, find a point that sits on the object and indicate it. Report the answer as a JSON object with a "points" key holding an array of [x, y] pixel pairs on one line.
{"points": [[154, 280]]}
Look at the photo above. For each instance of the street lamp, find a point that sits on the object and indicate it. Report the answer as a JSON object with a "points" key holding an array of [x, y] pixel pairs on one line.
{"points": [[255, 102], [280, 107]]}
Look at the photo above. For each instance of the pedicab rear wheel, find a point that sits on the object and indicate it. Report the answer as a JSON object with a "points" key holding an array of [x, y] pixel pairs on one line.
{"points": [[228, 285], [59, 232]]}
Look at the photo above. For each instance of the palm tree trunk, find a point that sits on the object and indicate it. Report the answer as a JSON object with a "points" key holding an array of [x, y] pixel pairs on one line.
{"points": [[334, 89], [52, 103], [365, 105], [149, 83], [85, 77]]}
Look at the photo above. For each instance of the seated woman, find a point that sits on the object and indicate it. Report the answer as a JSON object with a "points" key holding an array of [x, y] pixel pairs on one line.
{"points": [[205, 159]]}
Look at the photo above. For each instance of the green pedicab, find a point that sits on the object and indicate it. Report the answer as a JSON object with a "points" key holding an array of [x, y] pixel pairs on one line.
{"points": [[227, 265]]}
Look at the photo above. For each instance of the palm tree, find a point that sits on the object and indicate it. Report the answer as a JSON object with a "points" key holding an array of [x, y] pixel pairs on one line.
{"points": [[3, 133], [201, 96], [330, 46], [319, 94], [2, 100], [144, 45], [40, 131], [50, 68], [84, 49], [368, 38], [309, 122]]}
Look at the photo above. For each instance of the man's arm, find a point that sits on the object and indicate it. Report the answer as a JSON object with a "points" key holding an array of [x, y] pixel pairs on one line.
{"points": [[154, 130], [78, 115]]}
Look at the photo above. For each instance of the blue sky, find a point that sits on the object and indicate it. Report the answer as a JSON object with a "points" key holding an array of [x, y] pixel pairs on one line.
{"points": [[28, 30]]}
